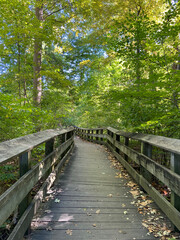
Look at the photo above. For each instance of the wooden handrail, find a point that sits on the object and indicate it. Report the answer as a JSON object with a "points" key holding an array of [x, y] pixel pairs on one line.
{"points": [[169, 144], [148, 167], [16, 195], [17, 146]]}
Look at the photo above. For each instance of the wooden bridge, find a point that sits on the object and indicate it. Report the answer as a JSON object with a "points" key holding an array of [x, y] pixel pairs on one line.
{"points": [[92, 198]]}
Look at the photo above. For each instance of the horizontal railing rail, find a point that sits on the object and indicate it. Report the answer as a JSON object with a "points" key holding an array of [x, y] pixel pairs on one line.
{"points": [[97, 135], [118, 142], [18, 195]]}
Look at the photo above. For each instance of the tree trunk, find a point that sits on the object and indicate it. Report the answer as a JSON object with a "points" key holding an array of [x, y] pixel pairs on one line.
{"points": [[37, 82], [19, 68]]}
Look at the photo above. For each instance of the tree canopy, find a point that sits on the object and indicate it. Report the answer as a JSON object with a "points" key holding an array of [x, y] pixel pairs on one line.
{"points": [[89, 63]]}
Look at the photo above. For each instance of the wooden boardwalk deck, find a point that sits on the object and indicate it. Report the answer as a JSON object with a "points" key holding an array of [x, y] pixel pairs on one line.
{"points": [[88, 202]]}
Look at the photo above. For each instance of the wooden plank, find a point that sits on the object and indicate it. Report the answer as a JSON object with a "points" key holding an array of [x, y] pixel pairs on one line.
{"points": [[103, 234], [24, 222], [168, 177], [85, 225], [130, 217], [74, 202], [169, 144], [94, 135], [125, 149], [90, 129], [14, 147], [172, 213], [24, 167], [21, 188]]}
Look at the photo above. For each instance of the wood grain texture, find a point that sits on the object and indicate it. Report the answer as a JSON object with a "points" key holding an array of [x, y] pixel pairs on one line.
{"points": [[168, 177], [15, 147], [91, 202], [22, 187], [171, 212], [169, 144]]}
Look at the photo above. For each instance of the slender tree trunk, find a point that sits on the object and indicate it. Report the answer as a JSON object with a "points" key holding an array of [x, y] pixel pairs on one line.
{"points": [[25, 91], [37, 82], [19, 68], [138, 42]]}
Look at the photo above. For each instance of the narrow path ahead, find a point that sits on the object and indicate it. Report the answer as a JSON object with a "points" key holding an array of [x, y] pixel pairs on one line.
{"points": [[89, 202]]}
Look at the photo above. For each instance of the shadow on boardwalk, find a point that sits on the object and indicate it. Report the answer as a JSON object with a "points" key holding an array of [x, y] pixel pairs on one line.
{"points": [[89, 202]]}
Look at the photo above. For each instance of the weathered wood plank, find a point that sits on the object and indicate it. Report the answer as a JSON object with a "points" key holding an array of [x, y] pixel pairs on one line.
{"points": [[98, 233], [14, 147], [169, 144], [85, 225], [75, 202], [172, 213], [168, 177], [21, 188], [26, 218]]}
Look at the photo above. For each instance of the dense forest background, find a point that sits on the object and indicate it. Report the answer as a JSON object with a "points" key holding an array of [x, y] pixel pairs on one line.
{"points": [[90, 63]]}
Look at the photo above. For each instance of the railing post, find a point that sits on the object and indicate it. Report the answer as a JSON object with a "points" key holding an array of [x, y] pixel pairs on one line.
{"points": [[101, 132], [146, 149], [126, 143], [64, 137], [118, 140], [97, 132], [175, 167], [88, 131], [24, 167], [49, 148], [92, 136]]}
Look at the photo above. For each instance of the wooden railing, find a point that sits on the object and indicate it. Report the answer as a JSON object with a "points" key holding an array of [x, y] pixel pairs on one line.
{"points": [[118, 141], [17, 196]]}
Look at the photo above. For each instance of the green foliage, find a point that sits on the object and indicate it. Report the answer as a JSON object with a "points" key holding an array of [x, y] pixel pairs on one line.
{"points": [[102, 63], [8, 174]]}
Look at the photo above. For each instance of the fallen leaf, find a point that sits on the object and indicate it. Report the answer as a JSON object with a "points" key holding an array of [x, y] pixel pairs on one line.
{"points": [[131, 184], [94, 225], [69, 232], [47, 211], [98, 211], [123, 205], [134, 193], [119, 175], [110, 195], [125, 212], [49, 229], [145, 203], [123, 232], [57, 200]]}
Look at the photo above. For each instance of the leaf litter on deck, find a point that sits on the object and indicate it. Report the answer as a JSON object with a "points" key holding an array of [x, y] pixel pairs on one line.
{"points": [[153, 218]]}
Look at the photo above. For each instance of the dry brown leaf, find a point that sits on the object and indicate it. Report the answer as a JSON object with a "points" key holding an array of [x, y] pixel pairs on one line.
{"points": [[98, 211], [94, 225], [49, 229], [131, 184], [69, 232], [145, 203], [119, 175], [134, 193], [110, 195]]}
